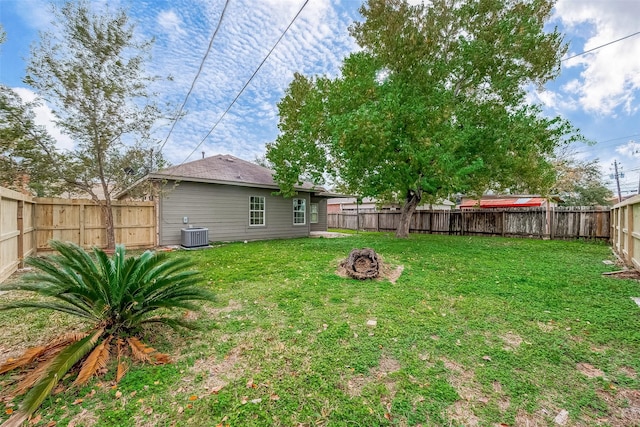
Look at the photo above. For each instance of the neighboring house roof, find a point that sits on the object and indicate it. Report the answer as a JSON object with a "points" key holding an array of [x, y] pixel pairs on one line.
{"points": [[345, 200], [226, 169], [521, 202]]}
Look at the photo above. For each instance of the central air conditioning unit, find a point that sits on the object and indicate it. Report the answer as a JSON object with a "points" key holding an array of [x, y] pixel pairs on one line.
{"points": [[194, 237]]}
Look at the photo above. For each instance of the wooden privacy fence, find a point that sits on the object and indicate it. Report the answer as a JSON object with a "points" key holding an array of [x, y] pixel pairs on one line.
{"points": [[17, 232], [27, 225], [554, 223], [80, 221], [625, 231]]}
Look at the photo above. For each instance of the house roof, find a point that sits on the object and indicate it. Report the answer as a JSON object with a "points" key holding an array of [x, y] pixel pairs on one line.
{"points": [[346, 200], [521, 202], [226, 169]]}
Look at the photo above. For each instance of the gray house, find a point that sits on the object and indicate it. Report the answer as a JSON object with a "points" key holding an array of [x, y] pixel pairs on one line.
{"points": [[234, 200]]}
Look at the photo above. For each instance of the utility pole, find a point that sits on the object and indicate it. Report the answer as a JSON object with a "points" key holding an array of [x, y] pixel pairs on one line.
{"points": [[617, 176]]}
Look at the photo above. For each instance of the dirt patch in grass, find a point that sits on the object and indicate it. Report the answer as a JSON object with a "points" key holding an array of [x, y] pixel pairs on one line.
{"points": [[623, 274], [463, 381], [589, 370], [545, 327], [218, 374], [511, 340], [523, 418], [83, 419], [233, 306], [462, 413], [624, 407], [387, 365], [628, 372]]}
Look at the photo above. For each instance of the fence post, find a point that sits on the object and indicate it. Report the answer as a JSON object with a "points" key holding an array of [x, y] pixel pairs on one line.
{"points": [[552, 223], [21, 235]]}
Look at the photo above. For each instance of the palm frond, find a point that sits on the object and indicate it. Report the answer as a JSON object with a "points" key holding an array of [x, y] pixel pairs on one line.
{"points": [[26, 358], [58, 367], [65, 339], [139, 350], [122, 366], [160, 358], [95, 362], [63, 308], [32, 377]]}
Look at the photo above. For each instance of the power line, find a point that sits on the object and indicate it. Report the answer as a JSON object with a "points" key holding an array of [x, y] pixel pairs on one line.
{"points": [[248, 82], [193, 83], [601, 144], [601, 46]]}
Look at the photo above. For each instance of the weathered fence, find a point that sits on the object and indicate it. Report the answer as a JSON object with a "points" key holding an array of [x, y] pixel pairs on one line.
{"points": [[81, 221], [554, 223], [625, 231], [28, 224], [17, 233]]}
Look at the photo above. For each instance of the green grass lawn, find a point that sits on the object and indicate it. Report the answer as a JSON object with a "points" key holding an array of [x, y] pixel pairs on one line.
{"points": [[476, 331]]}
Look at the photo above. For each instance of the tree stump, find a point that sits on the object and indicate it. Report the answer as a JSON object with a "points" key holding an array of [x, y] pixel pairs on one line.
{"points": [[362, 264]]}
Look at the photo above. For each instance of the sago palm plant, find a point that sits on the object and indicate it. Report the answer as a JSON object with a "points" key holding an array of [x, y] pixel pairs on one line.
{"points": [[116, 295]]}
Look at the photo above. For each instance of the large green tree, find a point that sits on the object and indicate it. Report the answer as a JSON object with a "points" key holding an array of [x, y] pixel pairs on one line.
{"points": [[91, 71], [434, 103]]}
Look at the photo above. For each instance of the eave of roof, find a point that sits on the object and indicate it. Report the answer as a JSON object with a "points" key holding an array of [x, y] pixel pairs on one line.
{"points": [[162, 177], [504, 203]]}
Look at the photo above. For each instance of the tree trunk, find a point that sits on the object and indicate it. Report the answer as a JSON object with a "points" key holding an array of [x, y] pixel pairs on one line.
{"points": [[107, 212], [409, 207]]}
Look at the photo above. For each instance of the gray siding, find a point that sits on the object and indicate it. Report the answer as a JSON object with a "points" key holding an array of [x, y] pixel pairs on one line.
{"points": [[224, 210], [322, 214]]}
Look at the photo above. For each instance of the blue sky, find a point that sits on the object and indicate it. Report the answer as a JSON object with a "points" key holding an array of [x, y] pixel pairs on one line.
{"points": [[598, 91]]}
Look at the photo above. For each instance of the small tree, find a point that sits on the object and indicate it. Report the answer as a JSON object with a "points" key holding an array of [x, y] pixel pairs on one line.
{"points": [[92, 72], [433, 104], [579, 183]]}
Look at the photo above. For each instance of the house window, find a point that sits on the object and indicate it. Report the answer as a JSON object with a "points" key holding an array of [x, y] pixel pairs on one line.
{"points": [[299, 212], [314, 213], [256, 210]]}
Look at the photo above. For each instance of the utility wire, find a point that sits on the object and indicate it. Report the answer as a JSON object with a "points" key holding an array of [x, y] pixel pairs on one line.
{"points": [[247, 83], [193, 83], [600, 144], [601, 46]]}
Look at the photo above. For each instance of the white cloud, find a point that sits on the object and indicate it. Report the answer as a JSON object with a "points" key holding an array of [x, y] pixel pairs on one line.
{"points": [[609, 78], [171, 23], [315, 44], [35, 13], [629, 149], [44, 117]]}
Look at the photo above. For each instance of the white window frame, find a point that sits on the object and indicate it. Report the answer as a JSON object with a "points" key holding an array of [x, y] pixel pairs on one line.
{"points": [[297, 204], [312, 213], [252, 211]]}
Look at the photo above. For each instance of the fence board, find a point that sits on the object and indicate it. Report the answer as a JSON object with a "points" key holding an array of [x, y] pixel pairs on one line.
{"points": [[564, 223]]}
